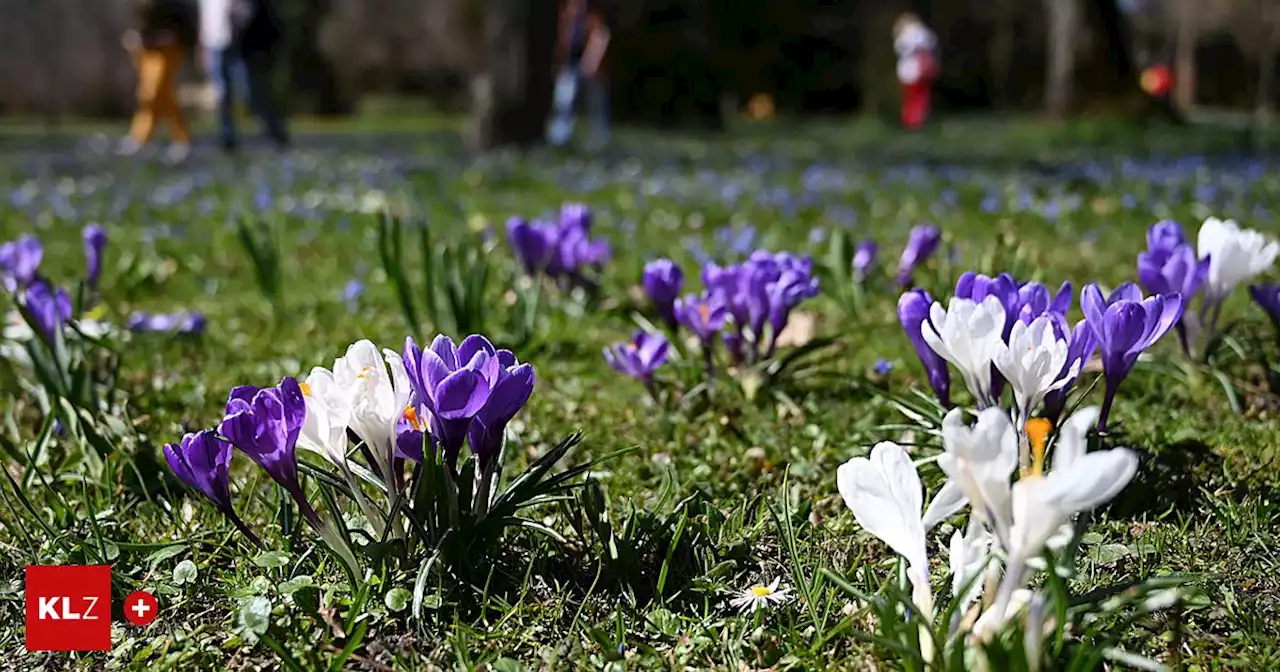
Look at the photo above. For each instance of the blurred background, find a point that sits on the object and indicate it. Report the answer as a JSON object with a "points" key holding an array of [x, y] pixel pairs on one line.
{"points": [[683, 63]]}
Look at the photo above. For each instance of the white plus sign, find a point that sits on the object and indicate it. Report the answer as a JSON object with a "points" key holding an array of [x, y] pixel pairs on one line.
{"points": [[141, 608]]}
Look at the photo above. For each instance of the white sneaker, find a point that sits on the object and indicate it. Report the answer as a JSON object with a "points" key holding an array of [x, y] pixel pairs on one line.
{"points": [[128, 147], [178, 152]]}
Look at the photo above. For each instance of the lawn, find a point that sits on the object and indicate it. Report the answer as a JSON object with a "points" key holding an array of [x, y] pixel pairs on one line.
{"points": [[682, 491]]}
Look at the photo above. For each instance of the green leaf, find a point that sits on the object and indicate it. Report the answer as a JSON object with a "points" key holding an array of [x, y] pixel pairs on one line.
{"points": [[295, 584], [507, 665], [255, 614], [271, 559], [184, 573], [397, 599], [163, 554]]}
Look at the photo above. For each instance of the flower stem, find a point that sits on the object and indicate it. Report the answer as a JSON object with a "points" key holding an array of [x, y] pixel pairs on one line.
{"points": [[244, 529], [1107, 399]]}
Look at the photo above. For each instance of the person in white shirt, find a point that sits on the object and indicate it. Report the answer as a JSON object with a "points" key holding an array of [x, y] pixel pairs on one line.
{"points": [[238, 39], [916, 47]]}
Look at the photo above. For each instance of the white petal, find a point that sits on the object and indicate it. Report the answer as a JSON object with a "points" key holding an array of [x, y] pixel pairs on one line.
{"points": [[949, 500], [884, 494]]}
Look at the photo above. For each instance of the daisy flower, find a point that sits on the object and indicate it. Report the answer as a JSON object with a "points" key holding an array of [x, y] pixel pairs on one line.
{"points": [[761, 596]]}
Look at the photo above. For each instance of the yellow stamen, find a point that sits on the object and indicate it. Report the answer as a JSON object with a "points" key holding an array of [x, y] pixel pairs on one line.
{"points": [[411, 414], [306, 389], [364, 373], [1038, 434], [704, 312], [761, 591]]}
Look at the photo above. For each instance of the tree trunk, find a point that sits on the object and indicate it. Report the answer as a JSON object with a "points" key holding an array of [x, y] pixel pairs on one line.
{"points": [[512, 85], [1270, 17], [1063, 31]]}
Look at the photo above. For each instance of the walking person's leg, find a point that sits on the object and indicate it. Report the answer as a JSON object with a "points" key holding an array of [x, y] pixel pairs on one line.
{"points": [[560, 128], [150, 72], [222, 68], [261, 96], [167, 106]]}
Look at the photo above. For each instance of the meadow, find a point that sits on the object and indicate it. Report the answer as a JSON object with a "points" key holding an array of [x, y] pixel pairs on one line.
{"points": [[644, 489]]}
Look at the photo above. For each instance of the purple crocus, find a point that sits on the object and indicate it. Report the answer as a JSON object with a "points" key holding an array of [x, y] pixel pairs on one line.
{"points": [[203, 461], [864, 259], [977, 287], [913, 311], [172, 323], [1173, 270], [95, 243], [922, 242], [531, 244], [1081, 344], [264, 424], [20, 261], [704, 315], [50, 307], [1164, 236], [1035, 300], [639, 358], [1268, 299], [663, 281], [1125, 325], [510, 393], [453, 383]]}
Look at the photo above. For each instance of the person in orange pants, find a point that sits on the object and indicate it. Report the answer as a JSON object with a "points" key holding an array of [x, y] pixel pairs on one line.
{"points": [[916, 46], [158, 46]]}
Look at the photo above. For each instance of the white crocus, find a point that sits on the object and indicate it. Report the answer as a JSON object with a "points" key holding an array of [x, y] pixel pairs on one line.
{"points": [[378, 399], [1044, 502], [1235, 256], [1031, 363], [886, 498], [968, 554], [978, 462], [328, 411], [968, 334]]}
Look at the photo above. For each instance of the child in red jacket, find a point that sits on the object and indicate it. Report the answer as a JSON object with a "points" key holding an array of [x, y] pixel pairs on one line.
{"points": [[916, 46]]}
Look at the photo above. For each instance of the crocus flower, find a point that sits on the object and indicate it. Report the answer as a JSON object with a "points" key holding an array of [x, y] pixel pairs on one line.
{"points": [[1081, 345], [50, 307], [1174, 270], [531, 243], [921, 244], [1034, 300], [864, 258], [20, 261], [377, 388], [913, 312], [977, 287], [1125, 325], [1164, 236], [264, 424], [640, 358], [1235, 256], [203, 462], [978, 462], [453, 383], [351, 293], [1032, 362], [509, 394], [411, 433], [704, 315], [968, 554], [1268, 299], [663, 281], [95, 242], [967, 334], [886, 498], [180, 323]]}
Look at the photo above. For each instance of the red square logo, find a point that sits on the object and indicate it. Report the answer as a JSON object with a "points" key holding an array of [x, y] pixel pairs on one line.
{"points": [[68, 607]]}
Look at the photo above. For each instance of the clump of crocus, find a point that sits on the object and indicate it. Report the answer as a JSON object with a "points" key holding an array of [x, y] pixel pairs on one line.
{"points": [[1170, 265], [50, 307], [640, 358], [704, 316], [95, 244], [561, 250], [1125, 325], [759, 295], [922, 242], [663, 281]]}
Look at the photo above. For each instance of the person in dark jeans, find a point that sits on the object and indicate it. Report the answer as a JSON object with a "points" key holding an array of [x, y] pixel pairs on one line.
{"points": [[240, 38]]}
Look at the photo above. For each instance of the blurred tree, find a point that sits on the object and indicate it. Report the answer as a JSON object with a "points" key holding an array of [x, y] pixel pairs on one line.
{"points": [[1063, 17], [512, 80]]}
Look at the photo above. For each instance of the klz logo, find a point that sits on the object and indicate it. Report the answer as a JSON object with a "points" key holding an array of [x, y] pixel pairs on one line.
{"points": [[68, 608]]}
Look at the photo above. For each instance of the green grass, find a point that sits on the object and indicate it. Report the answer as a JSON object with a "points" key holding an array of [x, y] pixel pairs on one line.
{"points": [[720, 493]]}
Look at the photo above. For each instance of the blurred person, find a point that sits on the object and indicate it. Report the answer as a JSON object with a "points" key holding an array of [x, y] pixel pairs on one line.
{"points": [[239, 40], [580, 59], [163, 32], [916, 46]]}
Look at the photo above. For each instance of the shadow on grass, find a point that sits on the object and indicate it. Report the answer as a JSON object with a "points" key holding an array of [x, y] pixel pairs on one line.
{"points": [[1170, 480]]}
